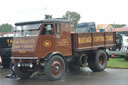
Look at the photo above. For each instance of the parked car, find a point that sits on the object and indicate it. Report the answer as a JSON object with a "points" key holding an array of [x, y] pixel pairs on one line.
{"points": [[121, 48]]}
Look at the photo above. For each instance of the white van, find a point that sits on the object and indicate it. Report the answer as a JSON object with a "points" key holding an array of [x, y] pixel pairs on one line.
{"points": [[121, 48]]}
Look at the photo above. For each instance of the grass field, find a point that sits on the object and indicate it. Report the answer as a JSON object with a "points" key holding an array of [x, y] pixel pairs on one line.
{"points": [[117, 63]]}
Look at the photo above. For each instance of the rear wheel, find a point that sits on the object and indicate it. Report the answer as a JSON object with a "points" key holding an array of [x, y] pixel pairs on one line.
{"points": [[55, 67], [97, 61], [20, 73]]}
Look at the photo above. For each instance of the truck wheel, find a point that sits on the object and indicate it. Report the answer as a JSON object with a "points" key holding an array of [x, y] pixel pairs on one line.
{"points": [[5, 61], [97, 61], [20, 73], [55, 67]]}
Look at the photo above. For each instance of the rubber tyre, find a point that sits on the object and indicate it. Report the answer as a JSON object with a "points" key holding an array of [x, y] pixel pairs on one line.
{"points": [[97, 61], [51, 64], [5, 61], [20, 73]]}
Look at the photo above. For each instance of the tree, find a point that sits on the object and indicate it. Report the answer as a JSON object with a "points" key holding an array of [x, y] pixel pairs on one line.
{"points": [[74, 17], [118, 25], [6, 28]]}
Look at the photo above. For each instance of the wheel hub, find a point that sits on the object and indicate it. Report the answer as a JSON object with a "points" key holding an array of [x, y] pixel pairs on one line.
{"points": [[56, 68], [101, 60]]}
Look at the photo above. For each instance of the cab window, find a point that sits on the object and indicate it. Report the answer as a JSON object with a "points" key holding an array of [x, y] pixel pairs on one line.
{"points": [[47, 29], [57, 28]]}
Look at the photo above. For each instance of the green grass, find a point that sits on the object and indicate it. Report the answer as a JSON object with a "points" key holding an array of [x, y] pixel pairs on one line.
{"points": [[117, 63]]}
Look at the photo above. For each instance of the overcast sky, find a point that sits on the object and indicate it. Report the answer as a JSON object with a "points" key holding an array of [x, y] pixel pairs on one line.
{"points": [[100, 11]]}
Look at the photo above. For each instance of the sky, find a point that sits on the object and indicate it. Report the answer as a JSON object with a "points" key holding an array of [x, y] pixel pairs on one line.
{"points": [[99, 11]]}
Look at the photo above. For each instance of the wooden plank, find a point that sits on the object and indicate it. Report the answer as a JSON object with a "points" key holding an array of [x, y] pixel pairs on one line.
{"points": [[91, 41]]}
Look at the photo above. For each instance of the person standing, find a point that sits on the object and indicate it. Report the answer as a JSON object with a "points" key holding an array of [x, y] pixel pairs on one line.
{"points": [[0, 62], [13, 74]]}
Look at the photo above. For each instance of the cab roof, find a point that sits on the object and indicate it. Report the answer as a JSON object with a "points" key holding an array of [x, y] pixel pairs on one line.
{"points": [[44, 21]]}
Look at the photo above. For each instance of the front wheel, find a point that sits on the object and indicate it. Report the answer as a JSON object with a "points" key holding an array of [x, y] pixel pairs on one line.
{"points": [[97, 61], [55, 67]]}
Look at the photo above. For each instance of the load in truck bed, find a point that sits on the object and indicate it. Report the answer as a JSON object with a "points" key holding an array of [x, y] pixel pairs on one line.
{"points": [[90, 41]]}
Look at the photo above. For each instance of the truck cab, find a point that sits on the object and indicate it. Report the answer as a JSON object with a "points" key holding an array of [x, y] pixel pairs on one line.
{"points": [[38, 39]]}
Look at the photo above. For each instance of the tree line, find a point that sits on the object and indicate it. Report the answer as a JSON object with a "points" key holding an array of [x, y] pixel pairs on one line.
{"points": [[6, 28]]}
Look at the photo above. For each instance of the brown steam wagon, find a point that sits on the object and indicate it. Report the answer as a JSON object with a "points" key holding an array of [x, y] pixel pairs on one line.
{"points": [[49, 46]]}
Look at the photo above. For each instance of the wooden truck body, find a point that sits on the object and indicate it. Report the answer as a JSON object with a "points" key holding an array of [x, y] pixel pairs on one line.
{"points": [[50, 46]]}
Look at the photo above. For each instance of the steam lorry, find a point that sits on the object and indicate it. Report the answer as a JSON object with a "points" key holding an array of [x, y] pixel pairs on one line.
{"points": [[49, 46]]}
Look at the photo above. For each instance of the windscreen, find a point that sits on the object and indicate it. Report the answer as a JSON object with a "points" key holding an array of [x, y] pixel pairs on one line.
{"points": [[27, 30]]}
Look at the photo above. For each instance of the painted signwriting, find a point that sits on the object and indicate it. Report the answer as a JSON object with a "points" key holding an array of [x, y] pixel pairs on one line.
{"points": [[22, 51], [63, 42], [31, 41], [109, 38], [85, 40], [98, 39], [9, 42], [23, 44], [82, 40]]}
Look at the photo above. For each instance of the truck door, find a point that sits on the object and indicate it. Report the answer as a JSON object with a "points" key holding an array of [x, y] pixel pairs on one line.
{"points": [[63, 39], [47, 40]]}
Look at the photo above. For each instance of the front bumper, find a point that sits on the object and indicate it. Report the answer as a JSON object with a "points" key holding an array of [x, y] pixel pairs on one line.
{"points": [[26, 58]]}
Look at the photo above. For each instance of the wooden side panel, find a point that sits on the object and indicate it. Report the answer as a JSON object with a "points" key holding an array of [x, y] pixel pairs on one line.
{"points": [[110, 39], [85, 41], [98, 39], [91, 41]]}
